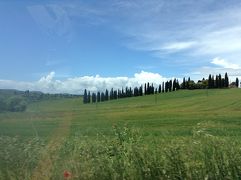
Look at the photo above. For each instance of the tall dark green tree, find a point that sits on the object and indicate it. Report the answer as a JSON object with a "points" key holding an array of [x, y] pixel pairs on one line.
{"points": [[177, 85], [93, 98], [226, 80], [237, 82], [98, 97], [210, 81], [160, 88], [148, 88], [166, 86], [145, 90], [115, 95], [174, 86], [188, 83], [85, 97], [184, 83], [102, 97], [111, 94], [141, 90], [216, 81], [170, 86], [106, 95], [219, 81]]}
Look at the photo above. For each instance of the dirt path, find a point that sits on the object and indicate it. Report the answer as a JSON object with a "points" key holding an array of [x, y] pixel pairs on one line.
{"points": [[44, 168]]}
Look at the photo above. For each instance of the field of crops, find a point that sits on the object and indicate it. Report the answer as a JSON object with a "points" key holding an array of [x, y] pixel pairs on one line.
{"points": [[178, 135]]}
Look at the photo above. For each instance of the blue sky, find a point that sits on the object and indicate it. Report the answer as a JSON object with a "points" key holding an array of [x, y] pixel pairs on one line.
{"points": [[46, 45]]}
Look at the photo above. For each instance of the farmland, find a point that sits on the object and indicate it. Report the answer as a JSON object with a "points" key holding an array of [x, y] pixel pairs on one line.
{"points": [[179, 135]]}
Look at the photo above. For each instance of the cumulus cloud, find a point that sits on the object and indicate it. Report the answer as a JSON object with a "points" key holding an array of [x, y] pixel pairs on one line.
{"points": [[224, 63], [76, 85]]}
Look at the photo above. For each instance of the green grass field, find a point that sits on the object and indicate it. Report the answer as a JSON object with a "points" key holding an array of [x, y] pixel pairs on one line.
{"points": [[178, 135]]}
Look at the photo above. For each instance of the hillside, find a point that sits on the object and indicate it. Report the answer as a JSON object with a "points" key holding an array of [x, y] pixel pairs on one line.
{"points": [[65, 126]]}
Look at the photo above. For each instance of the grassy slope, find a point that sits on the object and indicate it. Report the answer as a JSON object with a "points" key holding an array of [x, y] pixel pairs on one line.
{"points": [[173, 115]]}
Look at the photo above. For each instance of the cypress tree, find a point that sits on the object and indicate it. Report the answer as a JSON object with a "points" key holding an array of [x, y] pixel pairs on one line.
{"points": [[145, 90], [152, 89], [136, 91], [122, 93], [102, 97], [93, 98], [226, 81], [148, 88], [188, 82], [166, 86], [216, 82], [111, 94], [174, 85], [184, 83], [160, 88], [163, 89], [170, 85], [213, 82], [85, 97], [222, 83], [219, 81], [141, 91], [106, 95], [178, 85], [115, 96], [98, 97], [237, 82], [131, 92], [210, 81]]}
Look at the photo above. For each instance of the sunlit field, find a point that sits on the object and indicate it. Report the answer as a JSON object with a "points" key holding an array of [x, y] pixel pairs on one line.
{"points": [[178, 135]]}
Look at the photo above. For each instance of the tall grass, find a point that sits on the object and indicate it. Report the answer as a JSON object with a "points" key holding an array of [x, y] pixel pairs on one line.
{"points": [[19, 157], [129, 156]]}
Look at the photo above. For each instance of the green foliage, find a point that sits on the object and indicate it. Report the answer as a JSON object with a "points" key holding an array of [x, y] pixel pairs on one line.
{"points": [[13, 104], [16, 104], [18, 158], [128, 156]]}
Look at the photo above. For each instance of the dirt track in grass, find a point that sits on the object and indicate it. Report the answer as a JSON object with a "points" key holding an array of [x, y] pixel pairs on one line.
{"points": [[44, 168]]}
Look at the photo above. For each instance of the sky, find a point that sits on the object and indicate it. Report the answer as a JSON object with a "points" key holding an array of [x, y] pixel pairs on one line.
{"points": [[66, 46]]}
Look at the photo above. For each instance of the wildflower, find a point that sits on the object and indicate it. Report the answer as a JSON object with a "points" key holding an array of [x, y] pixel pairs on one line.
{"points": [[67, 174]]}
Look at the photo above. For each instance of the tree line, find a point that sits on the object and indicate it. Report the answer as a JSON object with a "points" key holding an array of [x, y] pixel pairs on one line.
{"points": [[172, 85], [17, 101], [147, 89]]}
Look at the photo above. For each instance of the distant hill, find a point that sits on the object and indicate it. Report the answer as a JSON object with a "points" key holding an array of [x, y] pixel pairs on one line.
{"points": [[15, 100]]}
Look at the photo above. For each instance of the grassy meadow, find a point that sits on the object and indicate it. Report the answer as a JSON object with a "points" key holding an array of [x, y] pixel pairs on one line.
{"points": [[178, 135]]}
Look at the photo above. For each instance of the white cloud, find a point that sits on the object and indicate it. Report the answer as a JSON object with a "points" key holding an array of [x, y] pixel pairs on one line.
{"points": [[76, 85], [179, 46], [52, 19], [224, 63], [198, 29]]}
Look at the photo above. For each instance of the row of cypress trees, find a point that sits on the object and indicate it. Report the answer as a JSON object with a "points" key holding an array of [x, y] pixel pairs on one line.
{"points": [[148, 89], [218, 81], [172, 85]]}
